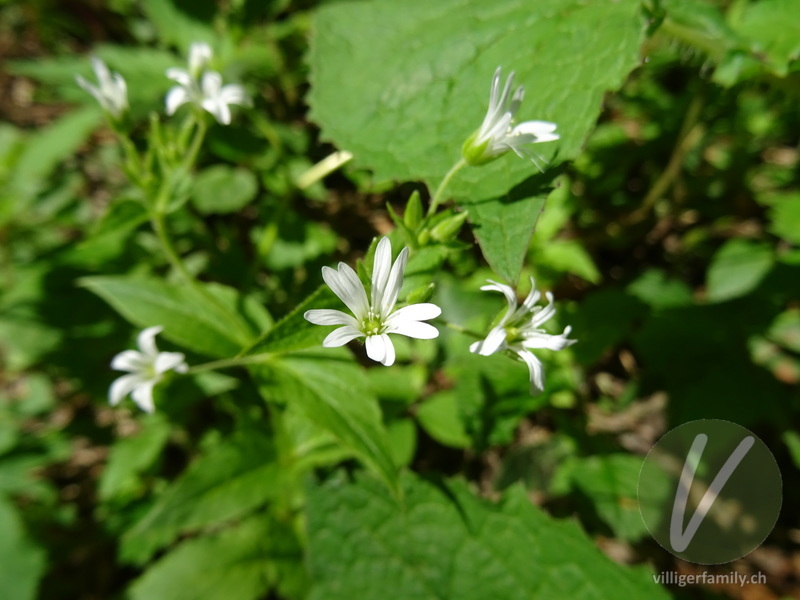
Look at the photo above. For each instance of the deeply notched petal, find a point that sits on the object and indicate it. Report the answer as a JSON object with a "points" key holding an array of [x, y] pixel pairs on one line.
{"points": [[535, 370], [123, 386], [146, 340], [329, 316], [381, 349], [348, 288], [494, 342]]}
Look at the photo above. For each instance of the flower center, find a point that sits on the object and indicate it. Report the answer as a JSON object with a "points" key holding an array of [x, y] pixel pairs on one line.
{"points": [[513, 335], [372, 324]]}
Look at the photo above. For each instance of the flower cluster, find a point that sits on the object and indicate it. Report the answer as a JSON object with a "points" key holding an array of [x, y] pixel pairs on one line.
{"points": [[373, 314], [198, 85]]}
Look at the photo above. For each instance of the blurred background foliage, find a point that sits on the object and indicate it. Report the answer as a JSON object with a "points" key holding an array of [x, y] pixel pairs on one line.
{"points": [[671, 242]]}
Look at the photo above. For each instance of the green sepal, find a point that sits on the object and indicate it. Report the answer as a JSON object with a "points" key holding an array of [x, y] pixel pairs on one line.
{"points": [[449, 228], [413, 215]]}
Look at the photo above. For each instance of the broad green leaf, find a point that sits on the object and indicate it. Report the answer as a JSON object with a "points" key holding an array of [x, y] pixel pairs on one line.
{"points": [[774, 29], [242, 563], [439, 415], [234, 478], [424, 72], [442, 542], [189, 319], [22, 563], [610, 482], [737, 268], [334, 393], [223, 189], [293, 332]]}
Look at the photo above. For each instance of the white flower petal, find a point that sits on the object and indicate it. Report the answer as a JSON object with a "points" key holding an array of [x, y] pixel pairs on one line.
{"points": [[415, 312], [380, 349], [496, 340], [327, 316], [414, 329], [381, 266], [147, 340], [211, 84], [176, 97], [182, 76], [199, 56], [341, 336], [131, 360], [535, 370], [169, 361], [394, 283], [123, 386], [234, 94], [143, 395], [348, 287], [535, 340]]}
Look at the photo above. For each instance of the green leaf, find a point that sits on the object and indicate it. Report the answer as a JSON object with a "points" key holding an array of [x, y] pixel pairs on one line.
{"points": [[43, 152], [440, 417], [785, 218], [176, 25], [441, 542], [408, 113], [244, 563], [231, 480], [737, 268], [657, 290], [22, 564], [610, 482], [293, 332], [222, 189], [189, 319], [132, 455], [569, 256], [334, 393], [774, 29]]}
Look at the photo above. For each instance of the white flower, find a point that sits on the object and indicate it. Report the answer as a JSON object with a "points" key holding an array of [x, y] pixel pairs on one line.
{"points": [[146, 367], [203, 87], [496, 135], [112, 94], [519, 331], [374, 317]]}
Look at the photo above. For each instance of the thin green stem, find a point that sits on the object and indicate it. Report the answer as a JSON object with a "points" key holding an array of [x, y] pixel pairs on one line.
{"points": [[159, 226], [439, 194], [464, 330], [197, 142], [227, 363]]}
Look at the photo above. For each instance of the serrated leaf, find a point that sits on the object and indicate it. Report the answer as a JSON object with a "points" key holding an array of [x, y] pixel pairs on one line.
{"points": [[293, 332], [737, 268], [189, 319], [21, 562], [441, 542], [231, 480], [334, 394], [242, 563], [423, 85]]}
